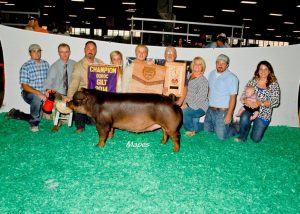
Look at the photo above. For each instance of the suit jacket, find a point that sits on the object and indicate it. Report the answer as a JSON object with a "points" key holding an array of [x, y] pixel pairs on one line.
{"points": [[79, 75]]}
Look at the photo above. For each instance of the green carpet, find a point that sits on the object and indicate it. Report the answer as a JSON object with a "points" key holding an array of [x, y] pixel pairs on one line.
{"points": [[64, 172]]}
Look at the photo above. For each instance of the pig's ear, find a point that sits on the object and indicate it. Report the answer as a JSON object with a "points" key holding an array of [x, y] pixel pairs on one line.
{"points": [[80, 98]]}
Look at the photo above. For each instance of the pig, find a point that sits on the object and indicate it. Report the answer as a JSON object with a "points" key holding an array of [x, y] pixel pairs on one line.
{"points": [[134, 112]]}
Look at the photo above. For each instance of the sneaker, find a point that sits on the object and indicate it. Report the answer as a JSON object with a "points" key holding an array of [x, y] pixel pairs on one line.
{"points": [[237, 139], [190, 133], [34, 128], [11, 113]]}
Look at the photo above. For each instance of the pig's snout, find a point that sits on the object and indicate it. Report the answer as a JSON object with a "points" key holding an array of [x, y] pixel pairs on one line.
{"points": [[70, 104]]}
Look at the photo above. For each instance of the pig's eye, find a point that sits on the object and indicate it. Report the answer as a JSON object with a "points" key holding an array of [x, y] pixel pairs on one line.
{"points": [[78, 101]]}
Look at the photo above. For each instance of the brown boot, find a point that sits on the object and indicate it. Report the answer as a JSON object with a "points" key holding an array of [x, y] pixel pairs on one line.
{"points": [[77, 131]]}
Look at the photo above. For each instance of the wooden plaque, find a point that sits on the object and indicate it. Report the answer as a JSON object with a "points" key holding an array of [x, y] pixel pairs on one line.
{"points": [[148, 78], [175, 78]]}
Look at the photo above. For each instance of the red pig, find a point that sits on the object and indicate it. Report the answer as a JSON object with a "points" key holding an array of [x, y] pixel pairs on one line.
{"points": [[134, 112]]}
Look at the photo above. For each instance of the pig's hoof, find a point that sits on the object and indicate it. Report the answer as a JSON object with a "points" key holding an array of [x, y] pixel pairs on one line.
{"points": [[176, 149], [100, 145]]}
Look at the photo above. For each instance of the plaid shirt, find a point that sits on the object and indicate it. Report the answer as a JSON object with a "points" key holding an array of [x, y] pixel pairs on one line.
{"points": [[34, 74]]}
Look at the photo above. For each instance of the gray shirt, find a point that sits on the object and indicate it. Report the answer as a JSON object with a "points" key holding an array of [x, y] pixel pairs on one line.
{"points": [[56, 73], [196, 97]]}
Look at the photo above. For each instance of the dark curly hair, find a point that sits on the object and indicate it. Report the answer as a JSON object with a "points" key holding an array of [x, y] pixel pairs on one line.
{"points": [[271, 77]]}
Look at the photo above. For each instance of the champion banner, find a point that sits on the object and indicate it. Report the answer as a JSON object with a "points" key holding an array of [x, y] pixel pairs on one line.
{"points": [[103, 77]]}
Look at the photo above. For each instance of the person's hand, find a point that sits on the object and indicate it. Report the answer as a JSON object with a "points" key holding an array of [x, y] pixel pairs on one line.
{"points": [[184, 106], [49, 91], [251, 104], [165, 91], [178, 102], [150, 62], [66, 99], [227, 119], [42, 96], [267, 103]]}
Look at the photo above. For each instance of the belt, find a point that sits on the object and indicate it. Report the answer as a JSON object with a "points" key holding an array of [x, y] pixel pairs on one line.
{"points": [[218, 109]]}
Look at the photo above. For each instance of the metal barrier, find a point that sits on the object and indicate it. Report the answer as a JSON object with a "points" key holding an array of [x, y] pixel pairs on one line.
{"points": [[187, 34]]}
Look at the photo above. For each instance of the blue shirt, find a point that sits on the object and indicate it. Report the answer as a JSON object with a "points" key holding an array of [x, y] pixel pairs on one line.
{"points": [[34, 74], [221, 88]]}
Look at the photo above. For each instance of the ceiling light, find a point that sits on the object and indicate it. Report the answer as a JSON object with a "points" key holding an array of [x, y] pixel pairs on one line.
{"points": [[288, 23], [3, 2], [270, 29], [247, 27], [129, 3], [89, 8], [296, 31], [9, 4], [298, 5], [228, 11], [246, 19], [78, 0], [101, 17], [275, 14], [248, 2], [208, 16], [45, 14], [179, 6], [278, 36], [257, 34], [71, 15]]}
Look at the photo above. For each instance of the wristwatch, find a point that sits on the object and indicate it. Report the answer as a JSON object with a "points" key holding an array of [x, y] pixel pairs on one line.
{"points": [[262, 104]]}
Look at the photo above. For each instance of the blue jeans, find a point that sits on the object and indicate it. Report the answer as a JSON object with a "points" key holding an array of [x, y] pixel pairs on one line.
{"points": [[258, 129], [36, 104], [214, 122], [81, 120], [191, 119]]}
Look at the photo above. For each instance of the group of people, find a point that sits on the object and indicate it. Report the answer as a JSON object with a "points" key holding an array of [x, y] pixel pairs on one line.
{"points": [[219, 41], [33, 25], [214, 97]]}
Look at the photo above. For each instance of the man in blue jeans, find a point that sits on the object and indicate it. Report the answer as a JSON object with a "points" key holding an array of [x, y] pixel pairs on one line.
{"points": [[33, 74], [223, 89]]}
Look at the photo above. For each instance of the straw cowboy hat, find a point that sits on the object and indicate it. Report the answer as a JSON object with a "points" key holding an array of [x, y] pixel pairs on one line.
{"points": [[62, 108]]}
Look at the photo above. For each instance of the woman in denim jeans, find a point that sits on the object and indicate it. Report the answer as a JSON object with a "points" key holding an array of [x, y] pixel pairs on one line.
{"points": [[196, 102], [268, 97]]}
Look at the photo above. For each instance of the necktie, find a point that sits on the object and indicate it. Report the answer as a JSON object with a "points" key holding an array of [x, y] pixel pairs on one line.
{"points": [[65, 77]]}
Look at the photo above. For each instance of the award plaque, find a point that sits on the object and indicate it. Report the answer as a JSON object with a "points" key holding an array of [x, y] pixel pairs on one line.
{"points": [[148, 78], [175, 78]]}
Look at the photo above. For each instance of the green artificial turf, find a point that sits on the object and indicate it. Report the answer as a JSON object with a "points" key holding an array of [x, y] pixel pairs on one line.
{"points": [[64, 172]]}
